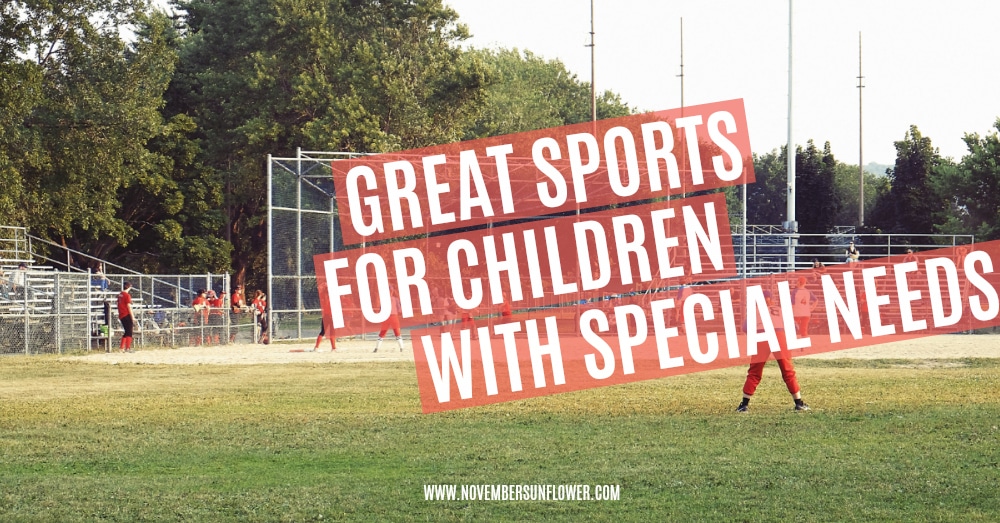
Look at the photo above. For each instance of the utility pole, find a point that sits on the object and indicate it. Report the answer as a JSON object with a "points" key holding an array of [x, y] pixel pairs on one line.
{"points": [[593, 85], [681, 76], [861, 165], [684, 148]]}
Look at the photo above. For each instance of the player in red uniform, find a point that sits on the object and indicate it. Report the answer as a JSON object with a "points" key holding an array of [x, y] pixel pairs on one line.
{"points": [[216, 307], [803, 304], [784, 363], [200, 304], [322, 334], [391, 323], [126, 317]]}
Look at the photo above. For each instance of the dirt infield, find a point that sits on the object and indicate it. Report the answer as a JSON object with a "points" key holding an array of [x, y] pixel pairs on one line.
{"points": [[355, 351]]}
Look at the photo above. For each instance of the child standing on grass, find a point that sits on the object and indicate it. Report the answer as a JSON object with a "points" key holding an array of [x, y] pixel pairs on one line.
{"points": [[784, 363], [259, 305], [126, 317], [322, 334], [391, 323]]}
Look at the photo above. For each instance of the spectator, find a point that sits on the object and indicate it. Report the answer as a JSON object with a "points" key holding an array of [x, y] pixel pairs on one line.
{"points": [[99, 279], [19, 279], [910, 256], [852, 253], [818, 270]]}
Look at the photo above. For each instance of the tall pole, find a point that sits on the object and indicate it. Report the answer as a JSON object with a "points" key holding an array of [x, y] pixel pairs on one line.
{"points": [[682, 62], [790, 155], [861, 164], [593, 85], [683, 149]]}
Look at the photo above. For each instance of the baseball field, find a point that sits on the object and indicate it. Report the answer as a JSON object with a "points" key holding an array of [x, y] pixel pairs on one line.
{"points": [[900, 432]]}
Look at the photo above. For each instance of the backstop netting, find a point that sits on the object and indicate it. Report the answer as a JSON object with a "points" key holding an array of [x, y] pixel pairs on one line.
{"points": [[302, 222]]}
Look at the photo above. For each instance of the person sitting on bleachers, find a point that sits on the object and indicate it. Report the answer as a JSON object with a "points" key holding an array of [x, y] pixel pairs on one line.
{"points": [[18, 280], [99, 279], [852, 253], [817, 271]]}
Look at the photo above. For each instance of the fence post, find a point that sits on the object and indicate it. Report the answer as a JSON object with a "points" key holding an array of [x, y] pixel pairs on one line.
{"points": [[228, 313], [57, 305], [27, 317], [90, 312]]}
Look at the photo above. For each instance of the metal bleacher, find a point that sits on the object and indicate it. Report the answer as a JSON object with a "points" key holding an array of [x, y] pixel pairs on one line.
{"points": [[63, 307]]}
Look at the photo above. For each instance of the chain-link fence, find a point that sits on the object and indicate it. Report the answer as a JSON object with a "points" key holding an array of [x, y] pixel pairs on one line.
{"points": [[47, 311], [302, 223]]}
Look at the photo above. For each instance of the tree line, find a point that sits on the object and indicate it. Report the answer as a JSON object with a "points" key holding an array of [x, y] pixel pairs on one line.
{"points": [[140, 136], [923, 193]]}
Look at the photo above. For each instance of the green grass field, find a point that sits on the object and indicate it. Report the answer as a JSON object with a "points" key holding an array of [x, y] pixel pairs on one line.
{"points": [[886, 441]]}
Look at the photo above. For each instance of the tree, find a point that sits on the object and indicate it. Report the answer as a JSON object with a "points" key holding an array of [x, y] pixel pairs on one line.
{"points": [[911, 203], [816, 203], [766, 199], [845, 181], [20, 92], [264, 77], [971, 189], [526, 92], [91, 76]]}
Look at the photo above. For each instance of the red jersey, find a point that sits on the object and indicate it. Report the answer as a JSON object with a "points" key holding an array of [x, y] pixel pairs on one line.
{"points": [[260, 304], [217, 305], [124, 300]]}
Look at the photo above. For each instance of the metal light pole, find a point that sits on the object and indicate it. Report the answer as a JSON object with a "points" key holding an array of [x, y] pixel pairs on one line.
{"points": [[792, 227]]}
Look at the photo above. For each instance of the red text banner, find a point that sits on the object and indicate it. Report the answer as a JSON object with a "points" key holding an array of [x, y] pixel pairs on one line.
{"points": [[587, 165], [470, 276], [694, 328]]}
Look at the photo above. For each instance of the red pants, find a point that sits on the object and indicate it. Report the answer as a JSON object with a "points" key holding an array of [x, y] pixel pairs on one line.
{"points": [[784, 363], [391, 323], [802, 325]]}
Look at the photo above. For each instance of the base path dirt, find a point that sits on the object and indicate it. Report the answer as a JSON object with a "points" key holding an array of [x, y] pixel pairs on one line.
{"points": [[355, 351]]}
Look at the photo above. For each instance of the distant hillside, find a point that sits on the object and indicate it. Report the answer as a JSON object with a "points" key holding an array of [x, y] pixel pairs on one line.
{"points": [[877, 168]]}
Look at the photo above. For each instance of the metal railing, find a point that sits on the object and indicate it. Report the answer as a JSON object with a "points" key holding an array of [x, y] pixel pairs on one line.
{"points": [[302, 222], [47, 310], [767, 253], [15, 247]]}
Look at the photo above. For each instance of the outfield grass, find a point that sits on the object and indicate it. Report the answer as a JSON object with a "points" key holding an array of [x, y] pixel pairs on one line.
{"points": [[886, 441]]}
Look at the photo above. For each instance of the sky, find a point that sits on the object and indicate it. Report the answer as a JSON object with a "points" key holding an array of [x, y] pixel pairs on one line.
{"points": [[935, 65]]}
